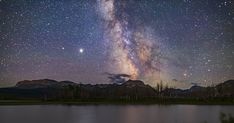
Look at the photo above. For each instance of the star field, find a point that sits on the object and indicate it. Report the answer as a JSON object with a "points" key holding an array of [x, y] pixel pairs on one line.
{"points": [[192, 41]]}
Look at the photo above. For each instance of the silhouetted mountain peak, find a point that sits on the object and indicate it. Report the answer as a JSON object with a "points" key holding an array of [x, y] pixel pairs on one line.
{"points": [[42, 83], [133, 83], [196, 88], [227, 83], [36, 83], [65, 83]]}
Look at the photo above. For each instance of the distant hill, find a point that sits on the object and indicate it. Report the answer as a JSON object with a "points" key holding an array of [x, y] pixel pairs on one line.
{"points": [[43, 83], [46, 89], [51, 89], [225, 89]]}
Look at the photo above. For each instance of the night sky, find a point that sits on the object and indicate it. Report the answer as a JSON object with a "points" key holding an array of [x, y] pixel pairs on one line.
{"points": [[181, 42]]}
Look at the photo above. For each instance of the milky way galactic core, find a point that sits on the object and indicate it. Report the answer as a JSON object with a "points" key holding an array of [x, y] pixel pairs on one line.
{"points": [[131, 50]]}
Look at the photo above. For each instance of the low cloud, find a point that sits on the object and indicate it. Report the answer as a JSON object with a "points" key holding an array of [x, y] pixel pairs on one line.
{"points": [[118, 78]]}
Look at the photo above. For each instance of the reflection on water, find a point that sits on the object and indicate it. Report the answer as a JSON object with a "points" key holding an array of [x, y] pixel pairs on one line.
{"points": [[224, 118], [113, 114]]}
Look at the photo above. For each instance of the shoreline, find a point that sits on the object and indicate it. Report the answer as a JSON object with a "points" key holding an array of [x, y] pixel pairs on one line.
{"points": [[39, 102]]}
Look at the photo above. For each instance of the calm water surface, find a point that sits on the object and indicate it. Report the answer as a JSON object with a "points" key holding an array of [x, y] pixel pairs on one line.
{"points": [[113, 114]]}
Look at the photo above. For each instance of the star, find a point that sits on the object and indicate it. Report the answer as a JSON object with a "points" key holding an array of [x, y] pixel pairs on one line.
{"points": [[81, 50]]}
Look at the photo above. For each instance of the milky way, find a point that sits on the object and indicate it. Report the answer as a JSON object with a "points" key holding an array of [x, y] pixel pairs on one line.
{"points": [[130, 50]]}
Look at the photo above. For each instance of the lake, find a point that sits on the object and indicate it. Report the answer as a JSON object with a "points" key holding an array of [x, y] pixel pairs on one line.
{"points": [[113, 113]]}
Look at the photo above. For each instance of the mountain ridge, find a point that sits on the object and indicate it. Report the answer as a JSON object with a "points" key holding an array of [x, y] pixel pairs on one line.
{"points": [[47, 89]]}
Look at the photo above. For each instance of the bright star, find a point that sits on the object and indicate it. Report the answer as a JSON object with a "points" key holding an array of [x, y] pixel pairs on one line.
{"points": [[81, 50]]}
